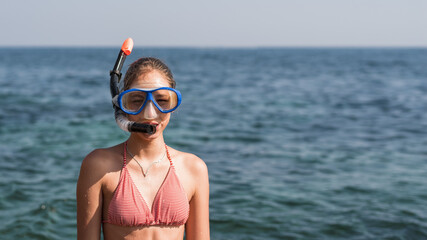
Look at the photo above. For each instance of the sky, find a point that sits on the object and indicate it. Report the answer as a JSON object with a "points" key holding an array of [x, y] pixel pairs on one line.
{"points": [[217, 23]]}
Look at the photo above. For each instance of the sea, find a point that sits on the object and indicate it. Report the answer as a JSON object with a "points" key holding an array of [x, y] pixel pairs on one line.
{"points": [[300, 143]]}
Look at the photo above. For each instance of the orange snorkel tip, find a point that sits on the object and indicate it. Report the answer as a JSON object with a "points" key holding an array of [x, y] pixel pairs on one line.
{"points": [[127, 46]]}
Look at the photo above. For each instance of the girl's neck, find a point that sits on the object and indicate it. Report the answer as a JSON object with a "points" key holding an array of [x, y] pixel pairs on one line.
{"points": [[146, 149]]}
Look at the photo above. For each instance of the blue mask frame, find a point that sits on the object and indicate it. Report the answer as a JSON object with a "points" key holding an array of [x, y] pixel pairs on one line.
{"points": [[149, 97]]}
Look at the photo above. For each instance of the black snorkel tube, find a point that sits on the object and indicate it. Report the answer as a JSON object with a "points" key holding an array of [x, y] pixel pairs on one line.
{"points": [[115, 75]]}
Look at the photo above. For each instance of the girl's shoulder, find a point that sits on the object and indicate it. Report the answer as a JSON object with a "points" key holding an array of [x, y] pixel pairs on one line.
{"points": [[188, 162], [103, 160]]}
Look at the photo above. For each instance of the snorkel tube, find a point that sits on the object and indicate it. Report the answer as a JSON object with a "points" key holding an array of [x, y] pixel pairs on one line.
{"points": [[115, 75]]}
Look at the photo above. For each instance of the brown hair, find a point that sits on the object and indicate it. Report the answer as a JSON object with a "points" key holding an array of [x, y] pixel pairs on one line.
{"points": [[146, 65]]}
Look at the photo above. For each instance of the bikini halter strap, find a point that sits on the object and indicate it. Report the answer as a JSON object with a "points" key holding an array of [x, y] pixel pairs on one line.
{"points": [[124, 154]]}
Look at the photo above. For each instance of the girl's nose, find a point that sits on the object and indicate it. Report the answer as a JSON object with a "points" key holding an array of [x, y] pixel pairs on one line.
{"points": [[150, 110]]}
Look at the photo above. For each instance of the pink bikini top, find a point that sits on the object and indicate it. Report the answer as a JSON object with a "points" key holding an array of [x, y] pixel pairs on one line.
{"points": [[128, 207]]}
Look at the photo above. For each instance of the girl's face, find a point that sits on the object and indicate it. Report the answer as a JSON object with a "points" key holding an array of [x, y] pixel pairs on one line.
{"points": [[150, 114]]}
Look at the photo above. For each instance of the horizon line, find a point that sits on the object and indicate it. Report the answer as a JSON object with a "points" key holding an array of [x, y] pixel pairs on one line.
{"points": [[216, 46]]}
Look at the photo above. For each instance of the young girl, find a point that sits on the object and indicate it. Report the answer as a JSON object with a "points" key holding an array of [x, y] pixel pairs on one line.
{"points": [[142, 188]]}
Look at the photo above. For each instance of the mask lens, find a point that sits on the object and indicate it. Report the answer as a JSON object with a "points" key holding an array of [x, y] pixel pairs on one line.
{"points": [[133, 101], [165, 99]]}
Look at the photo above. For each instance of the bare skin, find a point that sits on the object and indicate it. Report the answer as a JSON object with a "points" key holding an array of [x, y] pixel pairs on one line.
{"points": [[101, 169]]}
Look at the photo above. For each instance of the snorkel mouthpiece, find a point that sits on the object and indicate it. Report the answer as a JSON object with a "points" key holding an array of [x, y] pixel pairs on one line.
{"points": [[115, 75], [146, 128]]}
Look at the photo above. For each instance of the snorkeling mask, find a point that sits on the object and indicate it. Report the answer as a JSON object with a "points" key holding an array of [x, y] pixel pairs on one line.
{"points": [[165, 99], [134, 100]]}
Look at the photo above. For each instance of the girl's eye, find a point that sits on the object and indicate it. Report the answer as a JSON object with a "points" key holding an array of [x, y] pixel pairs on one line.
{"points": [[162, 99]]}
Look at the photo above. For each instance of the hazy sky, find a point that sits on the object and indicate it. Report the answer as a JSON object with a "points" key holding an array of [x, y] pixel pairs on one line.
{"points": [[245, 23]]}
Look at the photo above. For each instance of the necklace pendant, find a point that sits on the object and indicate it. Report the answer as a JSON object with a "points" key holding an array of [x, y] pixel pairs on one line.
{"points": [[151, 164]]}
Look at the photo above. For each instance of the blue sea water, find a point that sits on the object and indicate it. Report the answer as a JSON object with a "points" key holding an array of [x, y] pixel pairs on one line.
{"points": [[311, 143]]}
